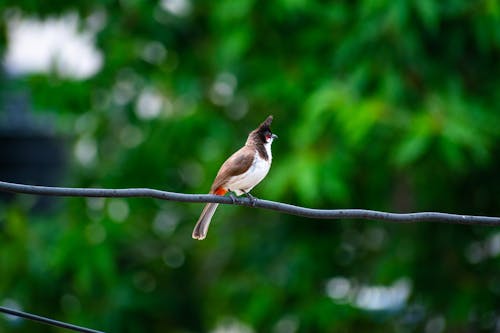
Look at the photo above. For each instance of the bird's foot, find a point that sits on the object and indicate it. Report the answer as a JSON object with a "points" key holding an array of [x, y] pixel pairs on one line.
{"points": [[233, 197], [253, 200]]}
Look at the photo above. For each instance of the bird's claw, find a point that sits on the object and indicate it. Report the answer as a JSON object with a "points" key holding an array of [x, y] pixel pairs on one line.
{"points": [[252, 199], [233, 197]]}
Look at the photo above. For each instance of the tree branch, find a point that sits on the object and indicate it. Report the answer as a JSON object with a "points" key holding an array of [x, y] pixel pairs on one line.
{"points": [[266, 204]]}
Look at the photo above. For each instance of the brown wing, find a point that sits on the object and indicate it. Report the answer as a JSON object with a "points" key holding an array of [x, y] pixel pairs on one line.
{"points": [[236, 164]]}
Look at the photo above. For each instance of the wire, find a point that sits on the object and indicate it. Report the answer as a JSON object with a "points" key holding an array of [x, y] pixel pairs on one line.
{"points": [[243, 201], [47, 321]]}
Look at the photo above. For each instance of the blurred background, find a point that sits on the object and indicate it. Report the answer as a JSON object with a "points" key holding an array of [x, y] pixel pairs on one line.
{"points": [[386, 105]]}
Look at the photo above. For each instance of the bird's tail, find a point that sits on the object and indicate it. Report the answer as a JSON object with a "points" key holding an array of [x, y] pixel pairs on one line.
{"points": [[201, 227]]}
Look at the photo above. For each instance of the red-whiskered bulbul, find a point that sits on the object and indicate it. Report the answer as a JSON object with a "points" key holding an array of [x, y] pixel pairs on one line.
{"points": [[240, 172]]}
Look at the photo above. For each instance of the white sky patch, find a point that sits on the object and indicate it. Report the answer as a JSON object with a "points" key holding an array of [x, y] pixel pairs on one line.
{"points": [[54, 44], [86, 151], [150, 104], [478, 251], [231, 325], [383, 298], [370, 297], [338, 288], [177, 7], [222, 90]]}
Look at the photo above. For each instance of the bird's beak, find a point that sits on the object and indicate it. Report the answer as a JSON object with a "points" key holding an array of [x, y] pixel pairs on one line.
{"points": [[274, 136]]}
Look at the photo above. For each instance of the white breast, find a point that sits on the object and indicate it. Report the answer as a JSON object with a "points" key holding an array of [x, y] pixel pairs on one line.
{"points": [[254, 175]]}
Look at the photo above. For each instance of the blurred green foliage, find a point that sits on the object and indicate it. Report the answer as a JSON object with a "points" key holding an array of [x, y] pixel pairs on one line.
{"points": [[390, 105]]}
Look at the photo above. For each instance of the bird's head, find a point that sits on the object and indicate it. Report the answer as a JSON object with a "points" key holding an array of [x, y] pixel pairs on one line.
{"points": [[263, 132]]}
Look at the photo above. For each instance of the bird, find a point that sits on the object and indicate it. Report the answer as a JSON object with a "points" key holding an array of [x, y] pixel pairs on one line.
{"points": [[240, 173]]}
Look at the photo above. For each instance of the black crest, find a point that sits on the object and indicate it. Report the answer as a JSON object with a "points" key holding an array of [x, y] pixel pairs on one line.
{"points": [[264, 129]]}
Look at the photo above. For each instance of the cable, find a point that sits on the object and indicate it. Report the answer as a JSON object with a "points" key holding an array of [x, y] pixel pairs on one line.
{"points": [[47, 321], [266, 204]]}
